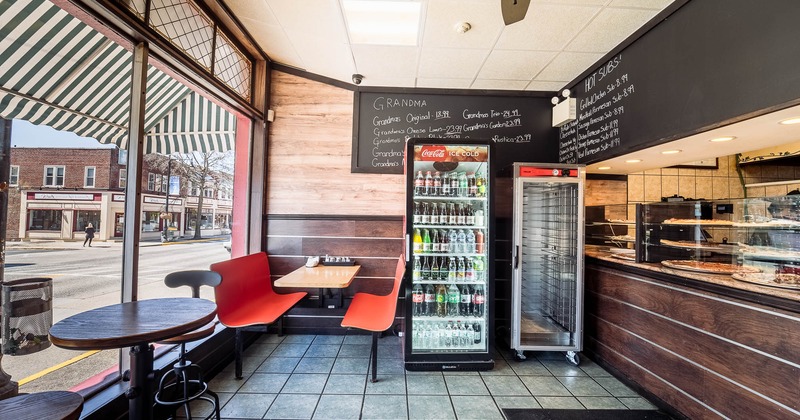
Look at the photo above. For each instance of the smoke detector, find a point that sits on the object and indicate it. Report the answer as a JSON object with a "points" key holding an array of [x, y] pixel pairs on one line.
{"points": [[462, 27]]}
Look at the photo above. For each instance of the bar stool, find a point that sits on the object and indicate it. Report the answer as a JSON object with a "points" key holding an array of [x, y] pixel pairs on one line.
{"points": [[188, 382]]}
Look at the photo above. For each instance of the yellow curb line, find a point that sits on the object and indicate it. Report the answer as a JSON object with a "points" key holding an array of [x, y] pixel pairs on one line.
{"points": [[57, 367]]}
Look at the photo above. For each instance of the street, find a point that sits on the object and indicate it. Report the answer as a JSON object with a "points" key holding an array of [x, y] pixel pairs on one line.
{"points": [[89, 277]]}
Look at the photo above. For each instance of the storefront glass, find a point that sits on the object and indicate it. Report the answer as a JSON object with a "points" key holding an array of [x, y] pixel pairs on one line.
{"points": [[84, 217], [150, 221], [44, 220]]}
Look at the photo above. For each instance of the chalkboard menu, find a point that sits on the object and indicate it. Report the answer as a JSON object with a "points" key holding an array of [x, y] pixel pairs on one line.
{"points": [[711, 63], [520, 126]]}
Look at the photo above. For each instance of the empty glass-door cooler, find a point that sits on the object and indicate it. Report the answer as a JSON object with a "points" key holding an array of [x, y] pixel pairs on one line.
{"points": [[547, 286]]}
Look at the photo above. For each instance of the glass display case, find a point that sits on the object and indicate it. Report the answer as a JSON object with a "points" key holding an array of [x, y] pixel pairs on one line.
{"points": [[754, 240], [609, 228]]}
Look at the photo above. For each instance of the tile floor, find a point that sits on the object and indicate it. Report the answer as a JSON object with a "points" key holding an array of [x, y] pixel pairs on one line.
{"points": [[326, 377]]}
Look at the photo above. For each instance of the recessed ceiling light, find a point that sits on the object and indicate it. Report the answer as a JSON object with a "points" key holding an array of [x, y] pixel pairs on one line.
{"points": [[633, 161], [603, 168], [670, 152], [721, 139], [382, 22], [790, 121]]}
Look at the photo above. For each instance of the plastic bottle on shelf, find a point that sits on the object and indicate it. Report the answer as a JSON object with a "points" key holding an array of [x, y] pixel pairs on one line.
{"points": [[434, 217], [426, 241], [470, 334], [452, 238], [472, 188], [418, 300], [437, 184], [461, 270], [479, 267], [479, 241], [434, 275], [425, 216], [461, 219], [454, 182], [430, 300], [445, 192], [453, 300], [477, 329], [417, 273], [425, 271], [462, 184], [452, 270], [478, 301], [428, 184], [479, 218], [463, 339], [452, 215], [417, 242], [419, 184], [480, 182], [443, 246], [448, 334], [469, 271], [462, 241], [436, 246], [465, 308], [469, 216], [441, 300], [417, 213], [470, 242]]}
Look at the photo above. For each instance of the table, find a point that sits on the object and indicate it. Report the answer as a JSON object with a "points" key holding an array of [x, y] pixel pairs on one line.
{"points": [[135, 325], [50, 405], [321, 277]]}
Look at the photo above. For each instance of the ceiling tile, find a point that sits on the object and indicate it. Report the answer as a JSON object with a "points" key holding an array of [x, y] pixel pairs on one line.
{"points": [[386, 61], [451, 63], [389, 81], [274, 41], [568, 65], [546, 27], [320, 18], [443, 83], [642, 4], [575, 2], [442, 16], [609, 29], [515, 65], [257, 10], [324, 57], [499, 84], [545, 86]]}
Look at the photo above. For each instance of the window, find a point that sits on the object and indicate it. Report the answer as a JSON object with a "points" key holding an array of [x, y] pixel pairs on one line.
{"points": [[208, 193], [14, 178], [193, 191], [123, 178], [53, 176], [84, 217], [88, 177], [151, 181], [164, 181], [150, 221], [122, 158], [44, 219]]}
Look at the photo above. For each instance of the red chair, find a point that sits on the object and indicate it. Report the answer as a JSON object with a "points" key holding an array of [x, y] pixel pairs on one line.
{"points": [[245, 298], [375, 313]]}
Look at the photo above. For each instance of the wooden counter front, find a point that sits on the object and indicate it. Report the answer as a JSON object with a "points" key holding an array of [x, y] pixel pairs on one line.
{"points": [[703, 351]]}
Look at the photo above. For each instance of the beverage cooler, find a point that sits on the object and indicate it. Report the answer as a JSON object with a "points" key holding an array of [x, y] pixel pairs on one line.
{"points": [[449, 254], [547, 281]]}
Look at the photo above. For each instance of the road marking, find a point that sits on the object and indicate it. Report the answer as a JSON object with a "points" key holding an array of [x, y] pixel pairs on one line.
{"points": [[57, 367]]}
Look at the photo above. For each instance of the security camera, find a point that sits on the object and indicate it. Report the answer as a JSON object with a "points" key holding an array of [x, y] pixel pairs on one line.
{"points": [[357, 78]]}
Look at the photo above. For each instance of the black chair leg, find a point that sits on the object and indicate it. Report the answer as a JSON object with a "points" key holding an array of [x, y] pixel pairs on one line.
{"points": [[216, 403], [280, 326], [374, 357], [238, 349]]}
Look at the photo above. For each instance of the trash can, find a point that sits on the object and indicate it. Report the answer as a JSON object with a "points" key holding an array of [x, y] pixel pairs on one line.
{"points": [[27, 315]]}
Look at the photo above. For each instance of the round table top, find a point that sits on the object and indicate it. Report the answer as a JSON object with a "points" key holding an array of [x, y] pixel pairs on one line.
{"points": [[132, 323], [48, 405]]}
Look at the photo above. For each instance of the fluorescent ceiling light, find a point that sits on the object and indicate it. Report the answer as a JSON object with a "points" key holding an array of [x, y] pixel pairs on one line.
{"points": [[721, 139], [633, 161], [670, 152], [382, 22], [790, 121], [603, 168]]}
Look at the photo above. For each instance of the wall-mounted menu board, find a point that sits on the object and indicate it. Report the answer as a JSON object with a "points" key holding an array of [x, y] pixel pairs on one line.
{"points": [[711, 63], [520, 126]]}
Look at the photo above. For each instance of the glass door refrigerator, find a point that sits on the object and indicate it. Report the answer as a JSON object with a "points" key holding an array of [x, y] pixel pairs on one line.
{"points": [[547, 281], [449, 231]]}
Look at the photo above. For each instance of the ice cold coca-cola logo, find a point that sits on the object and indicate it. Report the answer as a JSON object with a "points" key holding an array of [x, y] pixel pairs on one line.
{"points": [[432, 153]]}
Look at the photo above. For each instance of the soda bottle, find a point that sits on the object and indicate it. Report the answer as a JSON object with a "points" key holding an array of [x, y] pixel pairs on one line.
{"points": [[461, 271], [462, 184], [461, 219], [470, 216], [437, 184], [451, 274], [445, 185], [417, 213], [417, 273], [419, 184], [434, 269], [435, 214], [453, 300], [466, 301], [477, 335], [430, 300], [417, 299], [479, 241], [427, 246], [472, 187], [425, 272], [452, 217], [469, 272], [480, 182], [470, 242], [435, 246], [443, 241], [479, 267], [428, 184], [478, 301], [425, 217], [417, 242], [453, 184], [441, 300]]}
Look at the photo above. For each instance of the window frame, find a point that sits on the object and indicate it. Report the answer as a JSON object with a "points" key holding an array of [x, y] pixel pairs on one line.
{"points": [[123, 178], [86, 170], [13, 176], [151, 181], [55, 176]]}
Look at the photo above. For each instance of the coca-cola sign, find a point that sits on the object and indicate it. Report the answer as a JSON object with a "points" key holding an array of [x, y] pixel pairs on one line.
{"points": [[435, 153]]}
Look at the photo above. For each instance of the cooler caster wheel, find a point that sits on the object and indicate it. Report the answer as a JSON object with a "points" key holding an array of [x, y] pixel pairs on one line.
{"points": [[573, 358], [518, 356]]}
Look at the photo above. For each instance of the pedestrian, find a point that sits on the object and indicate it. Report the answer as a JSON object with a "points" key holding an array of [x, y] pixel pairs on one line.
{"points": [[89, 234]]}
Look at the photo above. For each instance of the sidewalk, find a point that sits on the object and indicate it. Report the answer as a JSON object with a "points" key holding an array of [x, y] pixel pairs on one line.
{"points": [[44, 244]]}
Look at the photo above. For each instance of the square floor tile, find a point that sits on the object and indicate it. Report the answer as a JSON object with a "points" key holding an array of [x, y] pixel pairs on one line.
{"points": [[270, 338], [292, 406], [265, 383], [251, 363], [358, 339], [430, 407], [389, 340], [529, 367], [322, 350], [562, 368], [202, 409], [354, 350], [305, 383], [602, 403], [593, 369], [517, 402], [560, 402], [426, 385], [385, 407], [299, 339], [226, 382], [339, 407], [581, 386], [501, 367], [315, 365], [465, 385], [390, 366], [345, 384], [387, 384], [615, 387], [505, 385], [545, 386], [290, 350], [279, 365], [634, 403], [390, 352], [479, 408], [329, 339], [247, 405], [351, 365], [260, 349]]}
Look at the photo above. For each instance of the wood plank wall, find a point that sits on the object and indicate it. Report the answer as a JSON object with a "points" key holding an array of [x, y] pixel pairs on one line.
{"points": [[706, 355]]}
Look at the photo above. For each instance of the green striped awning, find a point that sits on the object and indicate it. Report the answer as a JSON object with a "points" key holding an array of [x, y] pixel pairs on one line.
{"points": [[57, 71]]}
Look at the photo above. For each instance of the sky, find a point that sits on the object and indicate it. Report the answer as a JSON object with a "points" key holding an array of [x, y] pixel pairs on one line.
{"points": [[25, 134]]}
